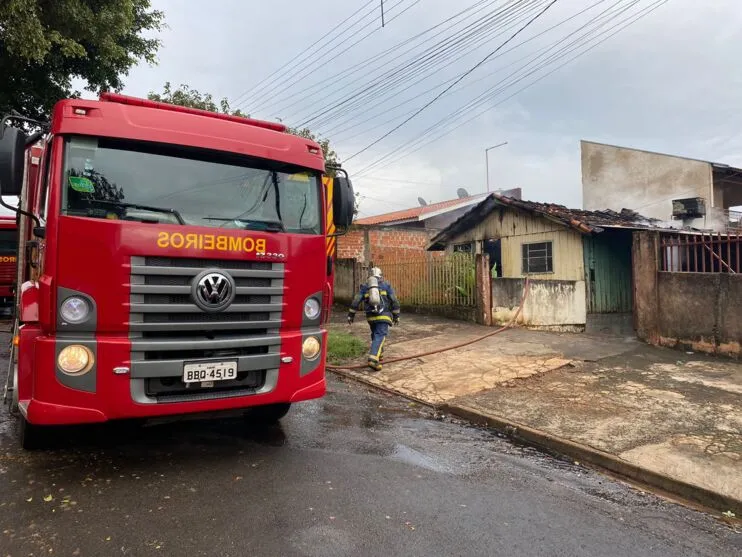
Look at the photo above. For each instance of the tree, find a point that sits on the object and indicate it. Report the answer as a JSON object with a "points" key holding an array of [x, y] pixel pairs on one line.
{"points": [[185, 96], [45, 44], [331, 157]]}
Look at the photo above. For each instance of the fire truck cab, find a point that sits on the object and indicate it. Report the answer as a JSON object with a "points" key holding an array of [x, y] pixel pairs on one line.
{"points": [[171, 261]]}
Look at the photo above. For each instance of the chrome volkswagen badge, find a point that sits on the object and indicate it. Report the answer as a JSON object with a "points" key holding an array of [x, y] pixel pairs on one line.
{"points": [[213, 290]]}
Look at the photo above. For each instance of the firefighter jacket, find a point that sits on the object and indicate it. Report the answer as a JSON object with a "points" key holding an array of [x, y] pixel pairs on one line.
{"points": [[390, 304]]}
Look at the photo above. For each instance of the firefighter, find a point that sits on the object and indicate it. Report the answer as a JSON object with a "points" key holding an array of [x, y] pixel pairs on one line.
{"points": [[382, 310]]}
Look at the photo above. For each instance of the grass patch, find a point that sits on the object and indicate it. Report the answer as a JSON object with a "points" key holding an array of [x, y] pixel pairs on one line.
{"points": [[344, 346]]}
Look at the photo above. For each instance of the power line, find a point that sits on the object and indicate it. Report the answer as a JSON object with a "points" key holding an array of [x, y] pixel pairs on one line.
{"points": [[307, 61], [361, 67], [306, 70], [478, 64], [628, 22], [323, 37], [494, 90], [368, 117], [384, 179], [403, 69], [431, 65], [482, 98]]}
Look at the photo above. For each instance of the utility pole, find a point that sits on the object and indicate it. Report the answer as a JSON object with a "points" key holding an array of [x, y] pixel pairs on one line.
{"points": [[382, 13], [487, 161]]}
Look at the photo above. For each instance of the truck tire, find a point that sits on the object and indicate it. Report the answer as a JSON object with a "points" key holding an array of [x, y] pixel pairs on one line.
{"points": [[268, 414], [33, 437]]}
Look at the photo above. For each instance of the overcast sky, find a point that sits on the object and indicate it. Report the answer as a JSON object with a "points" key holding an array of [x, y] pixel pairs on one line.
{"points": [[670, 82]]}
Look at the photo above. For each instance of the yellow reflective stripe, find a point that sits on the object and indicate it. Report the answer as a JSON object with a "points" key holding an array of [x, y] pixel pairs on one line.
{"points": [[381, 348], [383, 292], [331, 243], [380, 318], [373, 358], [351, 310]]}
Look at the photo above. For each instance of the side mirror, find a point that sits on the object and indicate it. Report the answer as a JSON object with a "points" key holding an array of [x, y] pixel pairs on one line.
{"points": [[12, 153], [343, 202]]}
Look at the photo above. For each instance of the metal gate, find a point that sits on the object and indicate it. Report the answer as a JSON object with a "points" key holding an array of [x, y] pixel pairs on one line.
{"points": [[608, 272]]}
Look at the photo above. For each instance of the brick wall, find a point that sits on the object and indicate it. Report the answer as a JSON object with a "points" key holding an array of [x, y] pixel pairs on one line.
{"points": [[351, 245], [379, 244]]}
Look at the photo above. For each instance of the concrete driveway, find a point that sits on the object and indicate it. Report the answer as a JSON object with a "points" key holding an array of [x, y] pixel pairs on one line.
{"points": [[672, 413]]}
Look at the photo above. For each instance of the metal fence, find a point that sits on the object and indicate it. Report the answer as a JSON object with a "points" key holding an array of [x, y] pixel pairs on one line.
{"points": [[419, 281], [434, 281], [701, 253]]}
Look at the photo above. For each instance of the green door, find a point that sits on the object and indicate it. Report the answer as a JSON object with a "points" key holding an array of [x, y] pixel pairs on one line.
{"points": [[608, 271]]}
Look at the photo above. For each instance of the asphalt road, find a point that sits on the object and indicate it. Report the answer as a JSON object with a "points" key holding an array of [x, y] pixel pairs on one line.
{"points": [[356, 473]]}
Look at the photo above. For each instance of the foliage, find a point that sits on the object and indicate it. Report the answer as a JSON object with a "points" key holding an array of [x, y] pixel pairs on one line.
{"points": [[331, 158], [343, 346], [185, 96], [46, 44]]}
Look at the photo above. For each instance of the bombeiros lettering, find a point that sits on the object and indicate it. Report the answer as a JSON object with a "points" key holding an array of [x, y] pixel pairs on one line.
{"points": [[7, 259], [210, 242]]}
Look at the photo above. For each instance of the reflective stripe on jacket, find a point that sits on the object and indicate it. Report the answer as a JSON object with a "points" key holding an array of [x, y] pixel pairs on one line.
{"points": [[388, 298]]}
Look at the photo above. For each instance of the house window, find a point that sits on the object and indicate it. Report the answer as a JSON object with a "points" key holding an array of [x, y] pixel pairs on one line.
{"points": [[462, 248], [537, 258]]}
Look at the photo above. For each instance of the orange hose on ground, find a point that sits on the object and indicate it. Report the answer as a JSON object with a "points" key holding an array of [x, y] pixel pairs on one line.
{"points": [[455, 346]]}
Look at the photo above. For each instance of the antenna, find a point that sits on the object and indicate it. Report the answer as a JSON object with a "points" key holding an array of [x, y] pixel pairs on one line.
{"points": [[422, 202], [462, 193]]}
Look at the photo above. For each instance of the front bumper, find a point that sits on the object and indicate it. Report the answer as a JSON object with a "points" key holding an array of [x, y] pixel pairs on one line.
{"points": [[112, 393]]}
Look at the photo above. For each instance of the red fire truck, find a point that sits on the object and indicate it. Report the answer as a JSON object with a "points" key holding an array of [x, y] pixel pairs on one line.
{"points": [[8, 255], [172, 261]]}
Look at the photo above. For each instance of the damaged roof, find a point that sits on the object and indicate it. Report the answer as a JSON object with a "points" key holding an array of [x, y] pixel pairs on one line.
{"points": [[585, 222]]}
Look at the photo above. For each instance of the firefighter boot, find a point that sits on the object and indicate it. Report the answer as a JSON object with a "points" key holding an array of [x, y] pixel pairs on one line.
{"points": [[374, 364]]}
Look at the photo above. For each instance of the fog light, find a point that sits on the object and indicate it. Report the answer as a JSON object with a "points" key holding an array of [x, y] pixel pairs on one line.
{"points": [[311, 308], [75, 359], [310, 348], [74, 310]]}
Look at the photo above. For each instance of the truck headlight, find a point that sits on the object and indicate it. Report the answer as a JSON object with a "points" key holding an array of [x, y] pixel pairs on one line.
{"points": [[311, 308], [310, 348], [75, 310], [75, 359]]}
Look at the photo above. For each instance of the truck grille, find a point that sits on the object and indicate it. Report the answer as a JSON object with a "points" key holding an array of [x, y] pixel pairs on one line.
{"points": [[167, 329], [7, 273]]}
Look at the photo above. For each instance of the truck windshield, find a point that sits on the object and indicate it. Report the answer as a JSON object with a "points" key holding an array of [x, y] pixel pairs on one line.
{"points": [[124, 180]]}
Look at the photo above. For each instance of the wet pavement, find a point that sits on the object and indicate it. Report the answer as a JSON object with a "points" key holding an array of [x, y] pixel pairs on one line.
{"points": [[355, 473], [669, 412]]}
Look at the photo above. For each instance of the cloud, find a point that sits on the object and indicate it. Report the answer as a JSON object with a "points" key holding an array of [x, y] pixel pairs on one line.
{"points": [[668, 83]]}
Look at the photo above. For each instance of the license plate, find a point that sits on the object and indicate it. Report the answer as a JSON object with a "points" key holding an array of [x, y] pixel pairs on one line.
{"points": [[209, 371]]}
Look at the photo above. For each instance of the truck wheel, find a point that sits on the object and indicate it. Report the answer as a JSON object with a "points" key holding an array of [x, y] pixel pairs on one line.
{"points": [[33, 437], [268, 414]]}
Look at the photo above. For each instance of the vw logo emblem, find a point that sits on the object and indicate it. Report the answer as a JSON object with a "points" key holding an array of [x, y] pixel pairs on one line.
{"points": [[213, 290]]}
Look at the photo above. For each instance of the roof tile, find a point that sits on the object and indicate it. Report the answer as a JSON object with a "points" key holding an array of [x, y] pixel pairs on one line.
{"points": [[415, 213]]}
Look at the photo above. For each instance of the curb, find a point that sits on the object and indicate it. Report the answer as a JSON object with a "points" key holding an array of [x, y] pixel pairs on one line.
{"points": [[584, 454], [596, 457]]}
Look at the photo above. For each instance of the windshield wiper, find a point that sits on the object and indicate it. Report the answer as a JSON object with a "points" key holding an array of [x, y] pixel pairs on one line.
{"points": [[267, 225], [172, 212]]}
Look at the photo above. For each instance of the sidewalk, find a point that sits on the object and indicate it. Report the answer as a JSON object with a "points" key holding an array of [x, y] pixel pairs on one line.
{"points": [[658, 416]]}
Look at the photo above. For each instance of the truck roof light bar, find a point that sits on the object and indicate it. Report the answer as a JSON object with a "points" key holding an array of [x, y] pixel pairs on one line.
{"points": [[135, 101]]}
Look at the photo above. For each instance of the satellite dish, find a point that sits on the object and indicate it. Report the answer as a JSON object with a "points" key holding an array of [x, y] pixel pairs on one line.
{"points": [[462, 193], [422, 202]]}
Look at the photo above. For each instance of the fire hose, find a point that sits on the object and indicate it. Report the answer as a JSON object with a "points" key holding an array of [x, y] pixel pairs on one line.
{"points": [[505, 327]]}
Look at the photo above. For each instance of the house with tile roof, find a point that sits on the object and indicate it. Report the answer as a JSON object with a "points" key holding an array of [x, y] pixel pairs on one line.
{"points": [[578, 263], [404, 233]]}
